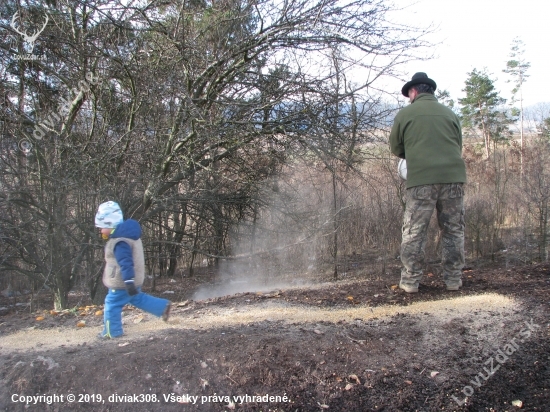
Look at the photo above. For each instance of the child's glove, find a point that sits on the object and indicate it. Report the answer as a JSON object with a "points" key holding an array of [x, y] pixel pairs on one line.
{"points": [[131, 288]]}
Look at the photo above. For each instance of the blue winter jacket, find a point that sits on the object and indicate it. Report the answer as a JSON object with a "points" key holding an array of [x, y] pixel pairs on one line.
{"points": [[130, 229]]}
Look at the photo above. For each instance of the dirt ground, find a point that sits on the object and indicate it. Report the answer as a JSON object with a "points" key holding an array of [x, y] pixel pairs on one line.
{"points": [[358, 344]]}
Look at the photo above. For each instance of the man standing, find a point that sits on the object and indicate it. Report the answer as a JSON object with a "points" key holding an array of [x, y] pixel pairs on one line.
{"points": [[428, 135]]}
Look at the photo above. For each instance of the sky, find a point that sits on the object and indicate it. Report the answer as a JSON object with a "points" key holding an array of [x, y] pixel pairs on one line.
{"points": [[478, 34]]}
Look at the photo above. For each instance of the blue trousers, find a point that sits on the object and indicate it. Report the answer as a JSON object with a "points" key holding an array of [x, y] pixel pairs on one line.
{"points": [[115, 301]]}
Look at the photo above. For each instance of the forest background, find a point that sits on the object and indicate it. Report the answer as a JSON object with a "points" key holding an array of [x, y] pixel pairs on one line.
{"points": [[236, 133]]}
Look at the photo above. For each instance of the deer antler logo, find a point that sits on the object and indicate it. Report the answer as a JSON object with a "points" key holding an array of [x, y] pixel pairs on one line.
{"points": [[26, 38]]}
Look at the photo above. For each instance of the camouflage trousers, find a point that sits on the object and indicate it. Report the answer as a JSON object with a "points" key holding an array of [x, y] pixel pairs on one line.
{"points": [[448, 200]]}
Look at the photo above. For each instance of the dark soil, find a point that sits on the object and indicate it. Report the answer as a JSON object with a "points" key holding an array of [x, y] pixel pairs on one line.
{"points": [[393, 363]]}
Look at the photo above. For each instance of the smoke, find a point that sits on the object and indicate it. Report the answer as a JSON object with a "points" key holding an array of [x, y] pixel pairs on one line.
{"points": [[279, 247], [273, 259], [231, 283]]}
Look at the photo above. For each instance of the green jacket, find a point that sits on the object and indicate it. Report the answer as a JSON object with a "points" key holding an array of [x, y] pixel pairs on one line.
{"points": [[428, 135]]}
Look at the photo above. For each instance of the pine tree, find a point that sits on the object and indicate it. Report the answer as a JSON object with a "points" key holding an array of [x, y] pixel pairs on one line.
{"points": [[517, 68], [480, 109]]}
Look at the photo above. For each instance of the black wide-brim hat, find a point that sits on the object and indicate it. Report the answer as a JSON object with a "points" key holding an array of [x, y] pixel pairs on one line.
{"points": [[418, 78]]}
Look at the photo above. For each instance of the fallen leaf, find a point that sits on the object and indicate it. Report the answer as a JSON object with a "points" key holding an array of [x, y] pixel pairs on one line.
{"points": [[517, 403], [349, 298], [81, 324], [433, 374], [393, 287], [355, 378], [54, 312], [408, 382], [99, 313], [348, 387], [318, 332], [39, 318]]}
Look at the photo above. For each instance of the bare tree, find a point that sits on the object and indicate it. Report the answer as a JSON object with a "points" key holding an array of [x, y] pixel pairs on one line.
{"points": [[536, 187], [178, 110]]}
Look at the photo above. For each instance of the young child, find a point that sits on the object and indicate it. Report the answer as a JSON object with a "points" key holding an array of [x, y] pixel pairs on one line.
{"points": [[124, 270]]}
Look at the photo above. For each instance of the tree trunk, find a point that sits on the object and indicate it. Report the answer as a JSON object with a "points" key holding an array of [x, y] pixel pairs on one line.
{"points": [[335, 227]]}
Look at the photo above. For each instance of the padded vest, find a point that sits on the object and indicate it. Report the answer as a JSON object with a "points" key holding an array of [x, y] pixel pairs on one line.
{"points": [[112, 277]]}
